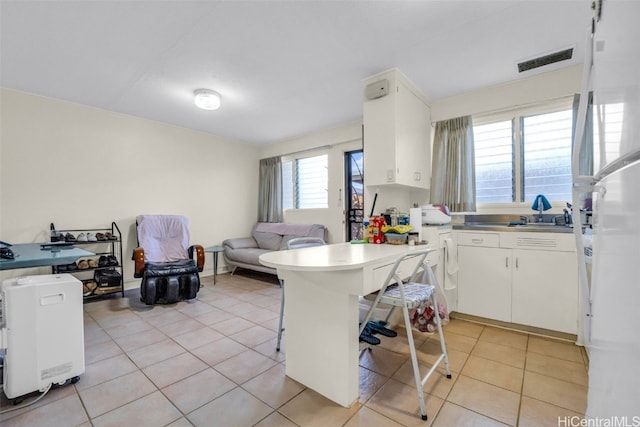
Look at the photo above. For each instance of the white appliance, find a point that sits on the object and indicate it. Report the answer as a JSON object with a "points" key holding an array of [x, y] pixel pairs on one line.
{"points": [[42, 332], [610, 312], [435, 214]]}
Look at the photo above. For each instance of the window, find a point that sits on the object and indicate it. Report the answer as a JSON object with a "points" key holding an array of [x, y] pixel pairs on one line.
{"points": [[546, 142], [305, 183], [494, 162], [527, 154]]}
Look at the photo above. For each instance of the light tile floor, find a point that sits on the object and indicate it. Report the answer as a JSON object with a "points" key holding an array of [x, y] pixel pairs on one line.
{"points": [[212, 362]]}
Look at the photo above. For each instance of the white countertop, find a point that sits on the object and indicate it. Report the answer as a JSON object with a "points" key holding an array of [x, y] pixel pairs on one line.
{"points": [[338, 256]]}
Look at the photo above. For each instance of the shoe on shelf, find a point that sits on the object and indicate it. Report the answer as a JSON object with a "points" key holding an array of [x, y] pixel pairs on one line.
{"points": [[89, 287], [67, 267], [91, 238], [83, 264], [103, 261], [57, 236], [69, 237], [110, 236], [112, 260], [101, 237], [82, 237], [92, 263]]}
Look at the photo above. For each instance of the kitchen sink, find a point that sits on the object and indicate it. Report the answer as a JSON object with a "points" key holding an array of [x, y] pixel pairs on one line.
{"points": [[542, 226], [539, 227], [536, 224]]}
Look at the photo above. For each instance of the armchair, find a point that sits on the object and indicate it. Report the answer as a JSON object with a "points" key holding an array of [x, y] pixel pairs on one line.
{"points": [[165, 261]]}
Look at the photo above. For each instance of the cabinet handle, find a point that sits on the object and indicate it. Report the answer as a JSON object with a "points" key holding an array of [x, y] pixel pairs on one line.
{"points": [[506, 262], [477, 241], [516, 263]]}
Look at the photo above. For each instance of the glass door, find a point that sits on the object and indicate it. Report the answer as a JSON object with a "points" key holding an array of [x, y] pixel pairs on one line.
{"points": [[354, 210]]}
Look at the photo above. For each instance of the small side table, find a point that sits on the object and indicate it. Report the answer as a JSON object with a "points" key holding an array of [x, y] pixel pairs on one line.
{"points": [[215, 250]]}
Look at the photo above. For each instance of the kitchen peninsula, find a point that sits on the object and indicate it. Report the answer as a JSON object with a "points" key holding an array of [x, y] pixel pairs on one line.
{"points": [[322, 285]]}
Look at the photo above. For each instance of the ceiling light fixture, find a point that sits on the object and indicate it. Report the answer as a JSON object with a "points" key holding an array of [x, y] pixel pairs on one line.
{"points": [[207, 99]]}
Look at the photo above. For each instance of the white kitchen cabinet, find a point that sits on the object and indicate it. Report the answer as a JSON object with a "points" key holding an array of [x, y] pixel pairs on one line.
{"points": [[484, 282], [397, 134], [545, 290], [523, 278]]}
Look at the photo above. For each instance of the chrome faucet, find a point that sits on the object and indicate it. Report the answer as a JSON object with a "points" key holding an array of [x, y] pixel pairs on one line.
{"points": [[524, 219], [540, 209]]}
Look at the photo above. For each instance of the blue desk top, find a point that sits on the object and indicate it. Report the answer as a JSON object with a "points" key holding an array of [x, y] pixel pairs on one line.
{"points": [[29, 255]]}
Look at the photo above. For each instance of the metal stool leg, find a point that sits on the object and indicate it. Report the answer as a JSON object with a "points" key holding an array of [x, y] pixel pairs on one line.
{"points": [[414, 362], [443, 346]]}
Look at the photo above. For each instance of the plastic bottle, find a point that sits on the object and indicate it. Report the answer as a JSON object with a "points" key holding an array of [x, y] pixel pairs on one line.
{"points": [[365, 231]]}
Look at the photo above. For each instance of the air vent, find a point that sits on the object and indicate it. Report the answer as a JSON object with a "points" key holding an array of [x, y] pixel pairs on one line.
{"points": [[536, 242], [541, 61]]}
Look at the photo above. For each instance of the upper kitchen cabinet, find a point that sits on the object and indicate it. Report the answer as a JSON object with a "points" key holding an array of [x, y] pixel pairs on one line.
{"points": [[397, 132]]}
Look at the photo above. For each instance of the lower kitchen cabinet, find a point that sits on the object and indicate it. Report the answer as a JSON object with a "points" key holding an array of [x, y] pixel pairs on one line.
{"points": [[545, 291], [519, 278], [484, 282]]}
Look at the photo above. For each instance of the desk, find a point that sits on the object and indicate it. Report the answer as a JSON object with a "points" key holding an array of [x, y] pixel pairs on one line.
{"points": [[29, 255], [321, 310], [215, 250]]}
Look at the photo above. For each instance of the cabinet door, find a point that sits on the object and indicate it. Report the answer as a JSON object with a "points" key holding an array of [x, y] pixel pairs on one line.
{"points": [[545, 290], [397, 136], [484, 282], [380, 140], [413, 135]]}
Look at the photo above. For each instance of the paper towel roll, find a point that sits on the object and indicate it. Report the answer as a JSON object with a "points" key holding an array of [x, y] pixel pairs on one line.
{"points": [[415, 221]]}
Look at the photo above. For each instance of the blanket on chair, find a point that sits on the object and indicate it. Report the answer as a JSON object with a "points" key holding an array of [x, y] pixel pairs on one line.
{"points": [[165, 238]]}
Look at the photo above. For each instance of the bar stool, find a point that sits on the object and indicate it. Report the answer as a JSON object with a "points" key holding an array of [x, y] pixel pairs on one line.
{"points": [[296, 243], [409, 295]]}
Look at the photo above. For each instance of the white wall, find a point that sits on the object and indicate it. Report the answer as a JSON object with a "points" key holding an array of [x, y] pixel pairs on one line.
{"points": [[523, 92], [335, 142], [81, 167]]}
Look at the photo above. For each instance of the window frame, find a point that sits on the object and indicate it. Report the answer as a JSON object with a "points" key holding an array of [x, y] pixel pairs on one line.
{"points": [[294, 159], [516, 116]]}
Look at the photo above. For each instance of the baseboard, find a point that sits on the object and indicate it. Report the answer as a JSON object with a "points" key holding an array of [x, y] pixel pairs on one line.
{"points": [[515, 327]]}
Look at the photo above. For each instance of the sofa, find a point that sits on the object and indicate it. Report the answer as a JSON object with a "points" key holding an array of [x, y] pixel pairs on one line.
{"points": [[244, 252]]}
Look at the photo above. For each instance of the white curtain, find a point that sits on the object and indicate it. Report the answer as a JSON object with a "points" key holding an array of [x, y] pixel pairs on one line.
{"points": [[453, 181], [270, 190]]}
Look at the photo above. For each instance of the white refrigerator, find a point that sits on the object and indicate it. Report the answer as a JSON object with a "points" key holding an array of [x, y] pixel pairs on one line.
{"points": [[611, 296]]}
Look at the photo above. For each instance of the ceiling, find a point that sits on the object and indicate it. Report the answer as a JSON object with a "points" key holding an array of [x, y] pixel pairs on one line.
{"points": [[283, 68]]}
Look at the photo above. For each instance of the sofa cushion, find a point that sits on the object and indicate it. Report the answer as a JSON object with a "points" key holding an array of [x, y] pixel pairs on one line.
{"points": [[248, 255], [240, 243], [267, 240], [269, 234], [312, 230]]}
